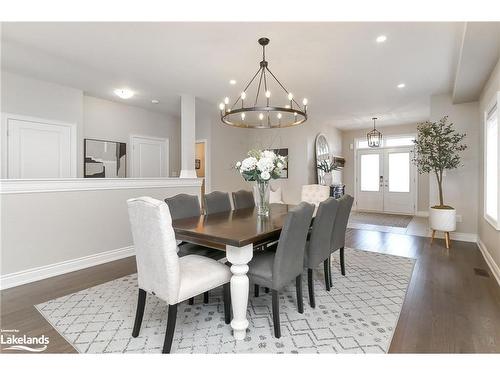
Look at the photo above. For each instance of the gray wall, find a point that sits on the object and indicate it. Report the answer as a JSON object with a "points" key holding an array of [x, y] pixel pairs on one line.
{"points": [[488, 235], [103, 119], [348, 138]]}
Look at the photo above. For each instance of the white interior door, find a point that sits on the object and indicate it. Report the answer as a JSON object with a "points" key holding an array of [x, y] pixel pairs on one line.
{"points": [[370, 194], [399, 181], [386, 181], [149, 156], [39, 149]]}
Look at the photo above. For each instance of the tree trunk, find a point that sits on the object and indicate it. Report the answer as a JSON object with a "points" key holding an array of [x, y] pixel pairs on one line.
{"points": [[440, 187]]}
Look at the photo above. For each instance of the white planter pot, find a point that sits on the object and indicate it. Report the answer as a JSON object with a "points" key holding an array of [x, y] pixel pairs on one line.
{"points": [[443, 219]]}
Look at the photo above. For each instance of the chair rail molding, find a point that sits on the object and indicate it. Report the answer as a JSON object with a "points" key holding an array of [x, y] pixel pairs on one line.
{"points": [[79, 184]]}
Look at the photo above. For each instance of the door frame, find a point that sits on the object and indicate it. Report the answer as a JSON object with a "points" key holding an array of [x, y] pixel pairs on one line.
{"points": [[166, 141], [356, 154], [207, 164], [6, 152]]}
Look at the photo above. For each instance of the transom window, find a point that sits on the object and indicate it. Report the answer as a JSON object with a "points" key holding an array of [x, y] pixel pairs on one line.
{"points": [[388, 141]]}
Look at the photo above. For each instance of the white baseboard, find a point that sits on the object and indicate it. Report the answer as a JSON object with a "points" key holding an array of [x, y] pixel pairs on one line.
{"points": [[494, 268], [422, 213], [34, 274]]}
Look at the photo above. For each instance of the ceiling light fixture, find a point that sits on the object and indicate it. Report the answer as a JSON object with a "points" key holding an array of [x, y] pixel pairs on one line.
{"points": [[258, 113], [155, 101], [232, 82], [401, 86], [374, 137], [124, 93], [381, 39]]}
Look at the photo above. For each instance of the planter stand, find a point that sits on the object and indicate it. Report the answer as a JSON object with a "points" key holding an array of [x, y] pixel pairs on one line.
{"points": [[446, 238]]}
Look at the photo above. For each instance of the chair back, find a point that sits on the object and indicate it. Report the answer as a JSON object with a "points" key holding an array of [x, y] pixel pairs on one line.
{"points": [[289, 258], [319, 244], [183, 205], [340, 226], [243, 199], [217, 201], [314, 193], [155, 248]]}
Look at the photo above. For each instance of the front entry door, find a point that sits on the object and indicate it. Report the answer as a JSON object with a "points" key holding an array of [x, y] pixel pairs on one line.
{"points": [[386, 181]]}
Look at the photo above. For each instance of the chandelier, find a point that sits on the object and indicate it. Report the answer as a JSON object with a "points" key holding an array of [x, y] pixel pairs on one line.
{"points": [[258, 112], [374, 137]]}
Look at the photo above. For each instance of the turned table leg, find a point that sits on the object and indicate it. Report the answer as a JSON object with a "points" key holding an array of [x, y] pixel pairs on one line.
{"points": [[239, 258]]}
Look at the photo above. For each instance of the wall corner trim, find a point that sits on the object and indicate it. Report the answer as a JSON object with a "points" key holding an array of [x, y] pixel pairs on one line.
{"points": [[39, 273], [494, 268]]}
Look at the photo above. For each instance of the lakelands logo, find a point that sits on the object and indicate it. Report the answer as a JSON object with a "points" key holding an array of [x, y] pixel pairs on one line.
{"points": [[14, 341]]}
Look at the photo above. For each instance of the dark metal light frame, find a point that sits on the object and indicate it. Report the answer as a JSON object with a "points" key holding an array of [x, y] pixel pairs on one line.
{"points": [[298, 112], [374, 137]]}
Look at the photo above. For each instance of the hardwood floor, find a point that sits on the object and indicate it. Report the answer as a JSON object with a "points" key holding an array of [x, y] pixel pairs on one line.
{"points": [[449, 308]]}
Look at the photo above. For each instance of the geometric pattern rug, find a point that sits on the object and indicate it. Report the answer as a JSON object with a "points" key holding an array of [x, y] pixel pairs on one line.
{"points": [[373, 218], [358, 315]]}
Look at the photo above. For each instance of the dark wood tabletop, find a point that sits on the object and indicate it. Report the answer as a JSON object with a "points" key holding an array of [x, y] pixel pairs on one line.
{"points": [[236, 228]]}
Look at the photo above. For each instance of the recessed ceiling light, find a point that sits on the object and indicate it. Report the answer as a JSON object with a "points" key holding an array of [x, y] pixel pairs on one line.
{"points": [[401, 85], [155, 101], [381, 39], [124, 93], [232, 82]]}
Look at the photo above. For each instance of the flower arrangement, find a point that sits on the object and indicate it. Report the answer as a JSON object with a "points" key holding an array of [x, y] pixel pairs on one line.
{"points": [[261, 166], [327, 166]]}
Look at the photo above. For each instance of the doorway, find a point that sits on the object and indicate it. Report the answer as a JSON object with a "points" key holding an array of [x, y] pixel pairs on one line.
{"points": [[149, 156], [201, 167], [386, 180]]}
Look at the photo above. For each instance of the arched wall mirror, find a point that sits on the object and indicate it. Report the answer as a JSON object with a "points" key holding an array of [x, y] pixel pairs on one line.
{"points": [[322, 153]]}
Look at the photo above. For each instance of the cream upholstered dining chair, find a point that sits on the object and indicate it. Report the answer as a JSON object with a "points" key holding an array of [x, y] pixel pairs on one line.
{"points": [[315, 193], [161, 272]]}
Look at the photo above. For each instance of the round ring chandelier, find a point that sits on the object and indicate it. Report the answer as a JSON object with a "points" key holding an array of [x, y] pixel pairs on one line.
{"points": [[262, 114]]}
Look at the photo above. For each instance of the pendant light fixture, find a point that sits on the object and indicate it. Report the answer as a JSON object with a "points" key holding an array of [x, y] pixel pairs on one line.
{"points": [[374, 137], [247, 112]]}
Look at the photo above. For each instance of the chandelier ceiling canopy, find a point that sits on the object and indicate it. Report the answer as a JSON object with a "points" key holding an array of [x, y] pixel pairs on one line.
{"points": [[255, 107], [374, 137]]}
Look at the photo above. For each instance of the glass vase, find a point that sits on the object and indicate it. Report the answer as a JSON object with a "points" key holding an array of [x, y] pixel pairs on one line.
{"points": [[261, 192]]}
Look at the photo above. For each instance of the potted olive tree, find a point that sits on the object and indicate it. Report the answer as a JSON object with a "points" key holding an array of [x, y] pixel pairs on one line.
{"points": [[437, 148]]}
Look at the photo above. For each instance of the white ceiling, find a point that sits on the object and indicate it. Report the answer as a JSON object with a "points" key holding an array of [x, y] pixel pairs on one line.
{"points": [[347, 76]]}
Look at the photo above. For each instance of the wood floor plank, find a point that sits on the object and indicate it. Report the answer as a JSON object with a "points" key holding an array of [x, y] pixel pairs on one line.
{"points": [[448, 307]]}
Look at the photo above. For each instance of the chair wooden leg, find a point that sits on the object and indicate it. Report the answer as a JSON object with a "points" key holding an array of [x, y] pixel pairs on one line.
{"points": [[256, 290], [433, 234], [169, 334], [141, 302], [276, 313], [191, 301], [227, 303], [298, 287], [327, 277], [447, 238], [342, 262], [330, 270], [266, 290], [310, 286], [205, 297]]}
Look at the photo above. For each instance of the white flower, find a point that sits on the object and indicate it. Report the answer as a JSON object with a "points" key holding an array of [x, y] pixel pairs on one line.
{"points": [[248, 164], [265, 165], [238, 165], [265, 176], [279, 165], [268, 154]]}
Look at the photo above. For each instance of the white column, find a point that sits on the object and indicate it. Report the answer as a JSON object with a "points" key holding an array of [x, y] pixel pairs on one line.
{"points": [[239, 258], [188, 136]]}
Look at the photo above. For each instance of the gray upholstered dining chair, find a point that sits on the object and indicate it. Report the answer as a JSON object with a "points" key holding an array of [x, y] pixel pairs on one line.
{"points": [[276, 269], [182, 206], [318, 248], [243, 199], [217, 201], [339, 231], [161, 272]]}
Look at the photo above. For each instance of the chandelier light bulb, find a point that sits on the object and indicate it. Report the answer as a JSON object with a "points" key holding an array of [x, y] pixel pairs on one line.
{"points": [[280, 116], [287, 106], [261, 116], [295, 114], [304, 101], [221, 106], [268, 94], [290, 96], [226, 100], [243, 116], [243, 95]]}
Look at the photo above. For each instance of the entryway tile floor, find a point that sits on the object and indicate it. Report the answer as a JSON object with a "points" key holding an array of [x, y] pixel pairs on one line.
{"points": [[418, 226]]}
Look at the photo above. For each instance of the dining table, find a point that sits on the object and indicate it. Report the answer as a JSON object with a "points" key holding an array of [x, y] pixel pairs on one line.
{"points": [[238, 233]]}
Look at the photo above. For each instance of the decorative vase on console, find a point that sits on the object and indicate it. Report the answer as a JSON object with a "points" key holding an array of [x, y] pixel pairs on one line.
{"points": [[327, 166], [261, 167]]}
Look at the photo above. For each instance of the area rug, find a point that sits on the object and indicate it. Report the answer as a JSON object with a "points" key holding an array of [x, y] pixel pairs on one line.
{"points": [[358, 315], [373, 218]]}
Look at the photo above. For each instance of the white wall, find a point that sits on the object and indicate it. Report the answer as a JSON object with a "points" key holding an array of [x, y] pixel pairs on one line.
{"points": [[461, 185], [103, 119], [488, 235], [348, 138], [31, 97]]}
